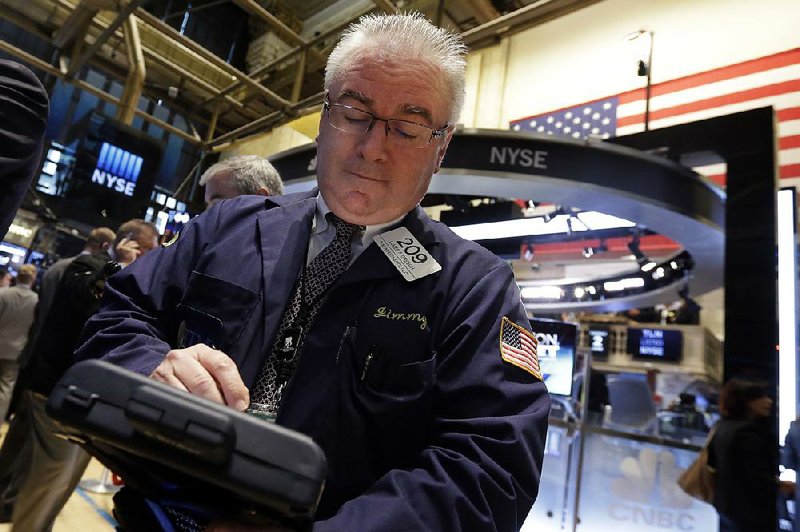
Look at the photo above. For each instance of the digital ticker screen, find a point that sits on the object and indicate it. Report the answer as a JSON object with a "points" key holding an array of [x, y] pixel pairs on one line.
{"points": [[117, 169], [599, 338], [655, 344], [556, 353]]}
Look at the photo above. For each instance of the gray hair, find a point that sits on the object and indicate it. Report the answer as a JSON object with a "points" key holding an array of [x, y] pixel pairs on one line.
{"points": [[406, 37], [249, 173]]}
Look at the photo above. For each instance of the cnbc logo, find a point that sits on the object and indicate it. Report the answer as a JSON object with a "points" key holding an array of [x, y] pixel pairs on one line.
{"points": [[117, 169]]}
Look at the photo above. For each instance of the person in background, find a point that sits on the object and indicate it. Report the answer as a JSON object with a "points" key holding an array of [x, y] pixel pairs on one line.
{"points": [[418, 377], [17, 304], [24, 107], [5, 277], [56, 465], [16, 449], [744, 453], [239, 175], [790, 458]]}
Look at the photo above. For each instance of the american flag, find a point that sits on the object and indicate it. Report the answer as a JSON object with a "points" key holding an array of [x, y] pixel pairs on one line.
{"points": [[773, 80], [518, 347]]}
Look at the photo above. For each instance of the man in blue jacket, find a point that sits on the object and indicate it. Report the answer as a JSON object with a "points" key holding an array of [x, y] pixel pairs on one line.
{"points": [[415, 369]]}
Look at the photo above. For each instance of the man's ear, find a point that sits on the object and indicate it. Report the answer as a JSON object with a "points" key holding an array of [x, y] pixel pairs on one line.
{"points": [[442, 149], [104, 246], [262, 191]]}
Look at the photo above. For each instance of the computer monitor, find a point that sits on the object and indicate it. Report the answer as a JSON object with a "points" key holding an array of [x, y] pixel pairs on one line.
{"points": [[12, 256], [599, 338], [556, 353], [655, 345]]}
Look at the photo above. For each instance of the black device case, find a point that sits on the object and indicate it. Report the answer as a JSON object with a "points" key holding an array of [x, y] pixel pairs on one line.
{"points": [[176, 447]]}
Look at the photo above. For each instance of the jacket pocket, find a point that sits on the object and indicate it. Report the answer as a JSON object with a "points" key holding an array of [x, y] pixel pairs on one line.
{"points": [[214, 311]]}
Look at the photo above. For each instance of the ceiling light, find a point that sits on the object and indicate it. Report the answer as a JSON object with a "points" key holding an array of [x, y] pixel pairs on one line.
{"points": [[537, 226], [622, 284], [542, 292]]}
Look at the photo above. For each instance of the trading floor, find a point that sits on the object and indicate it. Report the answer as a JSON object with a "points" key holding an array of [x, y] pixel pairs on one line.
{"points": [[85, 511]]}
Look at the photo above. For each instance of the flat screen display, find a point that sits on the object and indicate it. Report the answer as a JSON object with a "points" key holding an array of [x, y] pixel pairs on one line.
{"points": [[556, 353], [599, 338], [12, 256], [655, 344]]}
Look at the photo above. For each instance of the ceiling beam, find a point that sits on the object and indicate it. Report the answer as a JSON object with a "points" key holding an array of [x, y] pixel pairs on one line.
{"points": [[281, 30], [386, 6], [50, 69], [536, 13], [121, 17], [272, 99]]}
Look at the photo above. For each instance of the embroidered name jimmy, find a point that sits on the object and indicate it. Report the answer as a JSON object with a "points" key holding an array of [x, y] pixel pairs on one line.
{"points": [[389, 314]]}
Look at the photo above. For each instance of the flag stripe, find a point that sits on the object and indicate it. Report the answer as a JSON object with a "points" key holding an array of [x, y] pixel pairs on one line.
{"points": [[790, 57], [792, 141], [702, 92], [792, 113], [775, 89], [522, 355], [771, 81], [789, 170], [521, 361], [778, 102]]}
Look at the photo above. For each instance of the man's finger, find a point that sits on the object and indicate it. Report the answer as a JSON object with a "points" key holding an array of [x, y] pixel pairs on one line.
{"points": [[227, 376], [182, 365]]}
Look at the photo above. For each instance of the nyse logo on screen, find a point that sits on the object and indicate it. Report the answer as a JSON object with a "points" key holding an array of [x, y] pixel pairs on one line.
{"points": [[548, 345], [117, 169]]}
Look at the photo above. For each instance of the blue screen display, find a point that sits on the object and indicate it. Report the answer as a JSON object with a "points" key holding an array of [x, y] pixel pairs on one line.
{"points": [[655, 344], [556, 353], [117, 169]]}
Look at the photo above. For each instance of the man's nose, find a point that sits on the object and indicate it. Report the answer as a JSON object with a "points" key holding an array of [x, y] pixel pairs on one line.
{"points": [[374, 142]]}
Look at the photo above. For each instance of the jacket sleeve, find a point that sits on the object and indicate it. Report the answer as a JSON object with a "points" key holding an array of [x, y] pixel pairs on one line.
{"points": [[790, 454], [135, 325], [481, 467], [24, 107]]}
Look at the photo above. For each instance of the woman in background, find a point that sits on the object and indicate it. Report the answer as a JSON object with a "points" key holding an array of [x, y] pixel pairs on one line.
{"points": [[744, 453]]}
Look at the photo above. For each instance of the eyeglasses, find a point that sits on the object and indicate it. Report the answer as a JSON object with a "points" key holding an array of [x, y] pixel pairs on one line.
{"points": [[400, 132]]}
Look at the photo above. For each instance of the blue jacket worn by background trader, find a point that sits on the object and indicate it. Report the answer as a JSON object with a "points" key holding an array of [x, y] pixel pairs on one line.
{"points": [[438, 433]]}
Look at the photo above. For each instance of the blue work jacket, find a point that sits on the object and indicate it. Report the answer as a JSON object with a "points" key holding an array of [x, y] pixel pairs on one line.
{"points": [[435, 432]]}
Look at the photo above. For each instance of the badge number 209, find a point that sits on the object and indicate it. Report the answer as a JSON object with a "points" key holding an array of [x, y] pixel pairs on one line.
{"points": [[406, 254], [411, 249]]}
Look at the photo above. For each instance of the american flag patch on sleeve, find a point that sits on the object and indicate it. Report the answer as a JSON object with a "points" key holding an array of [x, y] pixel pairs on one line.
{"points": [[518, 347]]}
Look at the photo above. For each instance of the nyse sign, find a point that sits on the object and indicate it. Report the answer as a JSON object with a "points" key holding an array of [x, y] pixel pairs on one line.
{"points": [[117, 169], [524, 157]]}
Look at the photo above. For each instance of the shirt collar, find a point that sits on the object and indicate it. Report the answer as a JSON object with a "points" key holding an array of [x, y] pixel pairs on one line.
{"points": [[320, 224]]}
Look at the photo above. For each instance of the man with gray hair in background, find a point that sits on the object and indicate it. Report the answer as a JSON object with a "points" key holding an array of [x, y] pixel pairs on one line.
{"points": [[240, 175]]}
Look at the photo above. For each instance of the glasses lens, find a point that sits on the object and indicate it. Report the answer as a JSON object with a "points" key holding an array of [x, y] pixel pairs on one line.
{"points": [[349, 120], [408, 133], [400, 132]]}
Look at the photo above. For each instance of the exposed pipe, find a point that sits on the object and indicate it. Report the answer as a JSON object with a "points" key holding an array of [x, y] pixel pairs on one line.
{"points": [[136, 73], [122, 16]]}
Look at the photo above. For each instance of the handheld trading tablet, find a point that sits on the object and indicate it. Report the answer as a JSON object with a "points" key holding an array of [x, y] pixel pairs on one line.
{"points": [[174, 446]]}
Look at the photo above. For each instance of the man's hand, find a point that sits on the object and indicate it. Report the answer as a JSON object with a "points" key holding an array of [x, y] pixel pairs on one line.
{"points": [[127, 250], [206, 372]]}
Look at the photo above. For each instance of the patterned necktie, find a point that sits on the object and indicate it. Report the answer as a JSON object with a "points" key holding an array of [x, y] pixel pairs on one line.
{"points": [[304, 302]]}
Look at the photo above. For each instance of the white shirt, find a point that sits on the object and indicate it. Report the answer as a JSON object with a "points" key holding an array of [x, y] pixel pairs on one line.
{"points": [[323, 233]]}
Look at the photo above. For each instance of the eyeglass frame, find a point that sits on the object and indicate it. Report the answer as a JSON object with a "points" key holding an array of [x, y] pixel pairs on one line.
{"points": [[435, 133]]}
